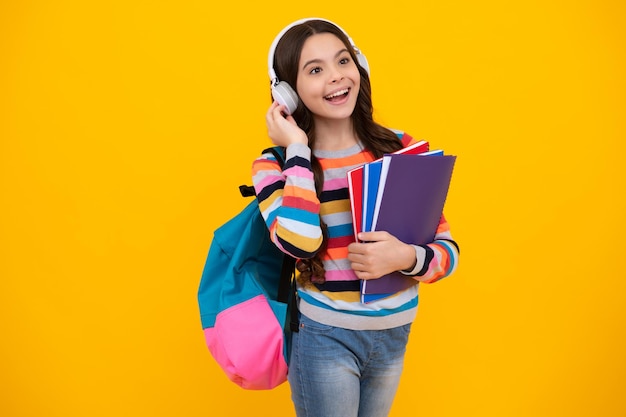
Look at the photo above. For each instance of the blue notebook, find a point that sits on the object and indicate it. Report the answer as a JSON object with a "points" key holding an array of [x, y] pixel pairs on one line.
{"points": [[371, 179]]}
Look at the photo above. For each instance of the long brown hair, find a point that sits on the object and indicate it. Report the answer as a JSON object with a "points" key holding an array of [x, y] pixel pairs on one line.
{"points": [[375, 138]]}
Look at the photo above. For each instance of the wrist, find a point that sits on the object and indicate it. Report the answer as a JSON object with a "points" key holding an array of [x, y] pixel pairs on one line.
{"points": [[410, 259], [419, 256]]}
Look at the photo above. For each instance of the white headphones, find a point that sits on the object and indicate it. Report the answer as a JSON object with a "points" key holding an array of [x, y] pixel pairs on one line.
{"points": [[282, 92]]}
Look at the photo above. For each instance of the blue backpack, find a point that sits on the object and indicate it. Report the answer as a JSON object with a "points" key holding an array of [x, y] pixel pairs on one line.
{"points": [[247, 299]]}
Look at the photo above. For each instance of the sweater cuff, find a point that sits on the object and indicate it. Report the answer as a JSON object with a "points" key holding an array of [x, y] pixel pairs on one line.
{"points": [[298, 149], [420, 256]]}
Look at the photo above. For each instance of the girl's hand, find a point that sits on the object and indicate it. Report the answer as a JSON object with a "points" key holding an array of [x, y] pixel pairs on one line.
{"points": [[283, 131], [382, 255]]}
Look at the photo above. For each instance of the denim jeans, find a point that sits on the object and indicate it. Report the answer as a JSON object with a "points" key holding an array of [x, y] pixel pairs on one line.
{"points": [[335, 372]]}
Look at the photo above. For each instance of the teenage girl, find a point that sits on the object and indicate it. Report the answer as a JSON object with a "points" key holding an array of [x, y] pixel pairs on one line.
{"points": [[347, 358]]}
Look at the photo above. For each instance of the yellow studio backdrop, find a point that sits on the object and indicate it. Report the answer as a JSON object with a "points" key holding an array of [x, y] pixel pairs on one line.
{"points": [[126, 127]]}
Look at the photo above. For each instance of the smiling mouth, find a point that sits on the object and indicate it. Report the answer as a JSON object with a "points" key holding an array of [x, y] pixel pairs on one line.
{"points": [[337, 95]]}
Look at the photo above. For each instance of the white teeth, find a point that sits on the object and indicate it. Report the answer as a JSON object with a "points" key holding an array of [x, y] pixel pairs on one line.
{"points": [[337, 94]]}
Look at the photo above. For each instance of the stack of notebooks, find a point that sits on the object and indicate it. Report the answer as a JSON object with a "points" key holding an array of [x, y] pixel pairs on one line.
{"points": [[402, 193]]}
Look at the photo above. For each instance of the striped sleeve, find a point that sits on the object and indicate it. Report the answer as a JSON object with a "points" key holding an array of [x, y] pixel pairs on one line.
{"points": [[438, 259], [288, 201]]}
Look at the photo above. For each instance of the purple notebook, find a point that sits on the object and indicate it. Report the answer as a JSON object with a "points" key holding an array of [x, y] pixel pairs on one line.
{"points": [[413, 197]]}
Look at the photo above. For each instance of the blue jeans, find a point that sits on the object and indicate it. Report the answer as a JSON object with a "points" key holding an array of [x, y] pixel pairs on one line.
{"points": [[335, 372]]}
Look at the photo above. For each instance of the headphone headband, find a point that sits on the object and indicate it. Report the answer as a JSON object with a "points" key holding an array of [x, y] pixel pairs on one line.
{"points": [[270, 58]]}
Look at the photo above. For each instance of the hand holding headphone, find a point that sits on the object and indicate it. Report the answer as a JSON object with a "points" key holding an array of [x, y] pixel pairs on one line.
{"points": [[282, 92]]}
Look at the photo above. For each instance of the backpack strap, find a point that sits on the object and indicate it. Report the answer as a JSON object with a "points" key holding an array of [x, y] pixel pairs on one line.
{"points": [[287, 291]]}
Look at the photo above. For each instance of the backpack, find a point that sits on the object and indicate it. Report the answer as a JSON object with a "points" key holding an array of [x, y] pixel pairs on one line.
{"points": [[247, 299]]}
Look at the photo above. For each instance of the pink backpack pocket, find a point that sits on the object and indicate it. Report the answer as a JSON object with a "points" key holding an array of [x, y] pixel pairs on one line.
{"points": [[247, 341]]}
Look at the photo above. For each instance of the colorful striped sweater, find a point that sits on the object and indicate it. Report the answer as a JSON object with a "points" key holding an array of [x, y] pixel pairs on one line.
{"points": [[291, 209]]}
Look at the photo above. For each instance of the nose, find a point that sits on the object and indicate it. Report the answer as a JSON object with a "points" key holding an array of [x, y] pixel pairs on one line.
{"points": [[336, 75]]}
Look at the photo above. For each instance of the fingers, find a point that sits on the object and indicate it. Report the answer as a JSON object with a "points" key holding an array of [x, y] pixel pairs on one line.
{"points": [[275, 110], [382, 254], [273, 121], [360, 264], [362, 269], [269, 116], [373, 236], [283, 130]]}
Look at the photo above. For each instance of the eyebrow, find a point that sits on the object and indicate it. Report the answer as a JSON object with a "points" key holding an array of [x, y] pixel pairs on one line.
{"points": [[314, 61]]}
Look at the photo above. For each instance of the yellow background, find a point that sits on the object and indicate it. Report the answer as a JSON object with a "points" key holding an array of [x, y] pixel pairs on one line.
{"points": [[126, 127]]}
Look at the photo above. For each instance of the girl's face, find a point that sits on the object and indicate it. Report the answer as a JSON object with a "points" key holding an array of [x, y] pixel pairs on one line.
{"points": [[328, 79]]}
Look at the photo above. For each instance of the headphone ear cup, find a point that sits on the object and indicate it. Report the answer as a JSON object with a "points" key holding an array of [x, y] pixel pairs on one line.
{"points": [[363, 62], [285, 95]]}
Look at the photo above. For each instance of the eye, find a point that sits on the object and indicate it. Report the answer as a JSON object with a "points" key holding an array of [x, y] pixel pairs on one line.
{"points": [[315, 70], [344, 60]]}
